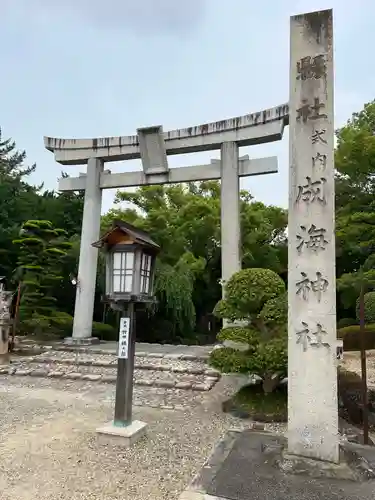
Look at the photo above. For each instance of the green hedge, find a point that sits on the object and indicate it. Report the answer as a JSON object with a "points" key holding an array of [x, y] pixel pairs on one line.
{"points": [[61, 326], [351, 337], [343, 322], [369, 309]]}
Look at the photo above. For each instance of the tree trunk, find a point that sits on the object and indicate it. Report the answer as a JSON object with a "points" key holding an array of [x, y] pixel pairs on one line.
{"points": [[270, 382]]}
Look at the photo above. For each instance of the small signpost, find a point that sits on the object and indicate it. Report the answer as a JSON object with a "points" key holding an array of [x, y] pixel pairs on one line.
{"points": [[123, 341]]}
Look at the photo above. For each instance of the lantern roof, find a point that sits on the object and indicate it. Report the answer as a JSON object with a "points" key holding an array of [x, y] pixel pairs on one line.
{"points": [[124, 233]]}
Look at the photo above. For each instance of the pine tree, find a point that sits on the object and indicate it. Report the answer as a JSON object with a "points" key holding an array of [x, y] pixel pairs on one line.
{"points": [[42, 249], [17, 200]]}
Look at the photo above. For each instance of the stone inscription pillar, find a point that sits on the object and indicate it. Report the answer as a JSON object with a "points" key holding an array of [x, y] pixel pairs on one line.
{"points": [[312, 371], [88, 256], [230, 211]]}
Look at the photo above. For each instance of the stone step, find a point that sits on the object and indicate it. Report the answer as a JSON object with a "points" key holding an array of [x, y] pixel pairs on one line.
{"points": [[167, 373], [39, 348], [194, 367]]}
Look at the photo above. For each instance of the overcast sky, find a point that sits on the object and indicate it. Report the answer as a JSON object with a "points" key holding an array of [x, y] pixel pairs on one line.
{"points": [[91, 68]]}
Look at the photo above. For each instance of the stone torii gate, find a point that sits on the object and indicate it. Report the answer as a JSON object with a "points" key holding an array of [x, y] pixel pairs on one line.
{"points": [[153, 145]]}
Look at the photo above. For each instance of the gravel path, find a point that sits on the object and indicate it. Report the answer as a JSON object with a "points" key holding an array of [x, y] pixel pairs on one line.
{"points": [[49, 451]]}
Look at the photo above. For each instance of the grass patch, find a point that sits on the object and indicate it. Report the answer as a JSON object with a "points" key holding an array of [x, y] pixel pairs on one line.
{"points": [[252, 402]]}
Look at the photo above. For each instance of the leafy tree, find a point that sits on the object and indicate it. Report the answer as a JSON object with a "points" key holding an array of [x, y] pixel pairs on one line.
{"points": [[185, 221], [355, 206], [257, 297], [42, 250]]}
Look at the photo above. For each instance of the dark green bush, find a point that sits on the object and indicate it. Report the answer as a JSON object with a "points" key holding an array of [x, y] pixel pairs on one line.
{"points": [[369, 300], [265, 358], [60, 325], [275, 311], [351, 337], [343, 322], [243, 334], [104, 331], [247, 291], [257, 297]]}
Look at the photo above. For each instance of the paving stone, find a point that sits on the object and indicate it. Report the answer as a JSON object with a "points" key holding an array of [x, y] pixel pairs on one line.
{"points": [[172, 355], [212, 373], [39, 373], [140, 354], [108, 363], [196, 371], [56, 374], [21, 372], [183, 385], [200, 387], [168, 384], [180, 407], [144, 381], [73, 375], [91, 377], [110, 379], [179, 369]]}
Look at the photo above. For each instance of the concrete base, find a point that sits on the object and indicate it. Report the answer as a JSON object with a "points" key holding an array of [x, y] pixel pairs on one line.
{"points": [[125, 437], [71, 341]]}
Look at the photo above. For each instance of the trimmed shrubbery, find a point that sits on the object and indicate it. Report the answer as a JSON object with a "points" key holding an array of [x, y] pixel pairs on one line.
{"points": [[343, 322], [369, 303], [257, 298], [351, 337], [60, 325]]}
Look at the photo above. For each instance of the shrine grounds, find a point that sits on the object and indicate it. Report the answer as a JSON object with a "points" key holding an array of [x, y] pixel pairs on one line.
{"points": [[49, 448]]}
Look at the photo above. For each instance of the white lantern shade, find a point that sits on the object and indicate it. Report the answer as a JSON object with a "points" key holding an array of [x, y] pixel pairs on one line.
{"points": [[122, 272], [130, 264], [146, 276]]}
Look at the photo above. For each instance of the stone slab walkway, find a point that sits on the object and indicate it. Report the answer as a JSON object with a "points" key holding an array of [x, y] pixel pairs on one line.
{"points": [[241, 468]]}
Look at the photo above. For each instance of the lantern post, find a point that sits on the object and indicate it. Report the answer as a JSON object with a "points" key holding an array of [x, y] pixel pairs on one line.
{"points": [[130, 268]]}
